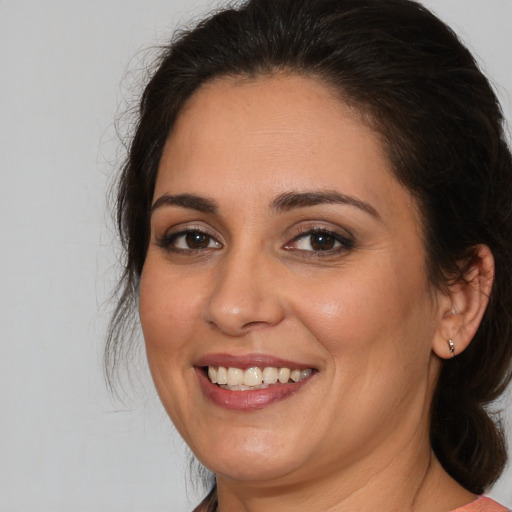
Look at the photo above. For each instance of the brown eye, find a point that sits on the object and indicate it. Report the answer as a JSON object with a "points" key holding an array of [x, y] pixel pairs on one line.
{"points": [[197, 240], [189, 240], [322, 242]]}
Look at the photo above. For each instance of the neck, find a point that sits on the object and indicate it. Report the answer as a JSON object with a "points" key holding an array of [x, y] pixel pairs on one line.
{"points": [[406, 479]]}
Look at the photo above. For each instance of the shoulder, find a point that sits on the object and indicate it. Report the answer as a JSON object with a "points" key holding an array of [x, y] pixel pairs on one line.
{"points": [[482, 504]]}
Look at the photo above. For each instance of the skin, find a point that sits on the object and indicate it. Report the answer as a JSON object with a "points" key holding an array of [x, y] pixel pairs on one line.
{"points": [[363, 314]]}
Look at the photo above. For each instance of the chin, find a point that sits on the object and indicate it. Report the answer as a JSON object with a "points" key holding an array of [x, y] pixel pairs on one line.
{"points": [[250, 456], [250, 468]]}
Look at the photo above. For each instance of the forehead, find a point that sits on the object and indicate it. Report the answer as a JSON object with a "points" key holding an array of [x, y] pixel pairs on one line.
{"points": [[288, 109], [283, 131]]}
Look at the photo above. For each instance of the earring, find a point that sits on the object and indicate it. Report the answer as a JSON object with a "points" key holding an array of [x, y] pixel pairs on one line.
{"points": [[451, 346]]}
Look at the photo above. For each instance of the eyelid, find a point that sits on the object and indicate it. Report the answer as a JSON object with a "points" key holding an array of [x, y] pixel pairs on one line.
{"points": [[317, 225], [344, 239], [170, 235]]}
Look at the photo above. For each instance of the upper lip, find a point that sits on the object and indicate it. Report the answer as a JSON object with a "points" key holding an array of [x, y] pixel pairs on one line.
{"points": [[248, 361]]}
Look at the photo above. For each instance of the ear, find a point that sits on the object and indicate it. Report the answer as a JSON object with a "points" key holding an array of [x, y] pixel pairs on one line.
{"points": [[463, 307]]}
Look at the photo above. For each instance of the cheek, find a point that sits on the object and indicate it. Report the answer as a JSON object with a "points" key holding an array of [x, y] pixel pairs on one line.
{"points": [[343, 310], [168, 311], [367, 310], [376, 331]]}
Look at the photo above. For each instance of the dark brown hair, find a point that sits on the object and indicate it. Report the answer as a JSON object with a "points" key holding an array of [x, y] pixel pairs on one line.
{"points": [[440, 121]]}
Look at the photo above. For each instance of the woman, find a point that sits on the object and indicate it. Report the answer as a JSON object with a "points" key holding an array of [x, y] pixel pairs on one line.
{"points": [[316, 210]]}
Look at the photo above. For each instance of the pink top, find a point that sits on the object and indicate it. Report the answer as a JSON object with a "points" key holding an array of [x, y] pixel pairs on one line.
{"points": [[482, 504]]}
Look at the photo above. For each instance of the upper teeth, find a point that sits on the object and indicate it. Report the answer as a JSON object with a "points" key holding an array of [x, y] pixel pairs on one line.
{"points": [[255, 377]]}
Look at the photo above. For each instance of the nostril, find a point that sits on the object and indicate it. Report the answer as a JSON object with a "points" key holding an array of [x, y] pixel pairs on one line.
{"points": [[256, 324]]}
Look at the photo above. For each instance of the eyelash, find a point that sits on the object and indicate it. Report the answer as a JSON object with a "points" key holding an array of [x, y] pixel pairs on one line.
{"points": [[345, 243], [168, 241]]}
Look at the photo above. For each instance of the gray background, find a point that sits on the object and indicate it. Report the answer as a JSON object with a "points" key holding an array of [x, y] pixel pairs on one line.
{"points": [[67, 67]]}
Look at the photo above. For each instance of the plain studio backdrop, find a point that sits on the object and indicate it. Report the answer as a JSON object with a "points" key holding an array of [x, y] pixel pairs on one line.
{"points": [[67, 69]]}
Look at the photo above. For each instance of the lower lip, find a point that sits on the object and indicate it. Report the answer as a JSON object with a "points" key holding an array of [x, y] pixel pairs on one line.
{"points": [[248, 400]]}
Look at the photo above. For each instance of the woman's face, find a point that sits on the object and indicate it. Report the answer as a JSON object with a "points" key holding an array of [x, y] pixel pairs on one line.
{"points": [[281, 240]]}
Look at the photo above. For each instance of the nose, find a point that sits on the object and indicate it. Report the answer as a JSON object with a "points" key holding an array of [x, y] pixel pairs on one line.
{"points": [[244, 295]]}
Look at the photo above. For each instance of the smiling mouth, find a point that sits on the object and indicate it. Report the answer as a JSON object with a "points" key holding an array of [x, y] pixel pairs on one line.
{"points": [[254, 378]]}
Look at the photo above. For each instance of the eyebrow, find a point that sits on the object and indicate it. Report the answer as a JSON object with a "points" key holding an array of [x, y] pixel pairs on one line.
{"points": [[191, 201], [292, 200], [282, 203]]}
